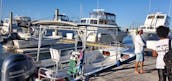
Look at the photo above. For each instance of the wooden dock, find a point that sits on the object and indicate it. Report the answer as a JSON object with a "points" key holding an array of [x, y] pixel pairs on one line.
{"points": [[125, 72]]}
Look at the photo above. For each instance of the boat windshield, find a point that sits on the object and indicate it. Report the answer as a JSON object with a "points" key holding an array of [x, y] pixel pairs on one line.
{"points": [[63, 17], [151, 17], [160, 17]]}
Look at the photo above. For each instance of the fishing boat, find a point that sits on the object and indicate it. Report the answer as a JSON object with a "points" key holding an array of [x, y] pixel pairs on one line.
{"points": [[107, 20], [151, 23], [101, 59], [27, 32], [79, 65], [17, 23], [75, 63]]}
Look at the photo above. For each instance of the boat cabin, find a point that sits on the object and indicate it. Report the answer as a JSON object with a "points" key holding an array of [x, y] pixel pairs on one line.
{"points": [[99, 16], [154, 20]]}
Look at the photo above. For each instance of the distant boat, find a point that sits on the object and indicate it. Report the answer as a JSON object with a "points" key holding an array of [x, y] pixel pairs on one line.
{"points": [[111, 31], [18, 23], [70, 64], [152, 21]]}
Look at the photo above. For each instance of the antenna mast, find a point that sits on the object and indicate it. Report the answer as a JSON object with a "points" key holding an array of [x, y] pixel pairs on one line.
{"points": [[97, 4], [150, 2], [169, 11], [80, 10], [1, 11]]}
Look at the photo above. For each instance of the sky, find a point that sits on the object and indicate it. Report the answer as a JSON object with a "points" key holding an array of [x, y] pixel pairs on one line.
{"points": [[128, 12]]}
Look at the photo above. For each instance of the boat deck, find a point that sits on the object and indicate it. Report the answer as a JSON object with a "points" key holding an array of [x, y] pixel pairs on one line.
{"points": [[125, 72]]}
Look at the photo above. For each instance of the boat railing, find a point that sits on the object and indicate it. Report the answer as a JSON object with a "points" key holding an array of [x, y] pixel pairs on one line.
{"points": [[46, 53]]}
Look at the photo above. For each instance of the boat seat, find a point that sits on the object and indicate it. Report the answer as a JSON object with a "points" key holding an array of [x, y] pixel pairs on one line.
{"points": [[55, 56]]}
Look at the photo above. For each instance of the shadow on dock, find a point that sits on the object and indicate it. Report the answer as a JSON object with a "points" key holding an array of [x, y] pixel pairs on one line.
{"points": [[125, 72]]}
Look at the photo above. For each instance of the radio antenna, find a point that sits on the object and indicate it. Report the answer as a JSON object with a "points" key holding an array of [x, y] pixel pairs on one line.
{"points": [[169, 11], [150, 2], [97, 4]]}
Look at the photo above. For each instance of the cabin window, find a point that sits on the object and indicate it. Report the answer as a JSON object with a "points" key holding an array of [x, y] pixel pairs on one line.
{"points": [[151, 17], [100, 22], [143, 27], [151, 27], [103, 22], [160, 17], [93, 22], [109, 17], [83, 21]]}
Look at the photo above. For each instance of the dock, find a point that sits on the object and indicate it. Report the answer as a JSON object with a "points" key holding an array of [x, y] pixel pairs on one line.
{"points": [[125, 72]]}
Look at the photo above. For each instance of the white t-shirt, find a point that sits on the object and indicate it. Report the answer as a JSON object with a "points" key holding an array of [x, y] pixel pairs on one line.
{"points": [[138, 44], [161, 48]]}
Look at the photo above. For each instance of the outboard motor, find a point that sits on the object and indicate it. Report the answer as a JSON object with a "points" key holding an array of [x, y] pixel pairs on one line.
{"points": [[17, 68]]}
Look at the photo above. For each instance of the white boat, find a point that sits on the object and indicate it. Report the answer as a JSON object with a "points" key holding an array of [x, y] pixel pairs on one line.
{"points": [[19, 23], [151, 23], [29, 32], [83, 62], [111, 31], [100, 59]]}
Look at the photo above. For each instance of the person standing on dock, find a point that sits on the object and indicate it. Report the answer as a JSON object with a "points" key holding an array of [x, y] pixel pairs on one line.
{"points": [[139, 45], [161, 48]]}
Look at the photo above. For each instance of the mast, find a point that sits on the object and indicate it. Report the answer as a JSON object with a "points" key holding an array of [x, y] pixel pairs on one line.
{"points": [[56, 14], [1, 10], [11, 22], [97, 4], [150, 2], [169, 11], [81, 11]]}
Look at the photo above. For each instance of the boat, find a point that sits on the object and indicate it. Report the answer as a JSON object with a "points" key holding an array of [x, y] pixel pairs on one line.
{"points": [[27, 33], [152, 21], [16, 28], [26, 40], [78, 64], [111, 31], [18, 24], [75, 63], [100, 59]]}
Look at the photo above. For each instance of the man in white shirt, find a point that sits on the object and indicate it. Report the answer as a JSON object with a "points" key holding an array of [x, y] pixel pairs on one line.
{"points": [[139, 44], [162, 47]]}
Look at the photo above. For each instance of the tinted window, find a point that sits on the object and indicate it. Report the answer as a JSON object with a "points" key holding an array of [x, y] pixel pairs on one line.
{"points": [[151, 17], [160, 17], [93, 21], [83, 21]]}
